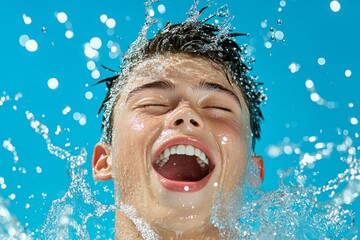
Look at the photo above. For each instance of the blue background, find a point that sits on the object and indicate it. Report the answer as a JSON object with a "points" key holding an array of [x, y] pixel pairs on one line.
{"points": [[312, 30]]}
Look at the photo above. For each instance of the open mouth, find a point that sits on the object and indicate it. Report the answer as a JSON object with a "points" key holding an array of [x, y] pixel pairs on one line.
{"points": [[183, 168]]}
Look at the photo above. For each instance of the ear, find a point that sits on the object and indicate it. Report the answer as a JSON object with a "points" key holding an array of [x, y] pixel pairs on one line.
{"points": [[259, 161], [101, 162]]}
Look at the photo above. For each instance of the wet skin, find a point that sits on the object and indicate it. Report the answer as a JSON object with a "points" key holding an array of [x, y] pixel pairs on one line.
{"points": [[170, 100]]}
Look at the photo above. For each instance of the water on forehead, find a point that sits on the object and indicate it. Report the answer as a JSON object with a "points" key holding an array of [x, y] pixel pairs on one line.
{"points": [[177, 68]]}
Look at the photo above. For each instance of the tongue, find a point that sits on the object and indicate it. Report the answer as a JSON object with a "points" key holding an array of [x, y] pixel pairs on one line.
{"points": [[182, 168]]}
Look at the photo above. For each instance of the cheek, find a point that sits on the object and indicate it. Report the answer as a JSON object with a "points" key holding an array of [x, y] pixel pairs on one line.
{"points": [[135, 124]]}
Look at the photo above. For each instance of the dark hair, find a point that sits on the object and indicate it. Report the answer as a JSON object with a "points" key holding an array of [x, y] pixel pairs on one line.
{"points": [[195, 38]]}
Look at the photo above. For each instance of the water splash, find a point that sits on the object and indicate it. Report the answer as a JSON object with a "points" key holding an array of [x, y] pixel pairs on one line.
{"points": [[10, 228], [316, 97], [294, 210]]}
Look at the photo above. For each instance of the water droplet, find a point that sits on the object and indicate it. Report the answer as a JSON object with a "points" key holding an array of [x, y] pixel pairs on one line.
{"points": [[95, 43], [321, 61], [279, 22], [335, 6], [38, 169], [314, 97], [268, 44], [88, 95], [12, 196], [69, 34], [90, 65], [282, 3], [354, 121], [264, 24], [95, 74], [53, 83], [161, 8], [294, 67], [348, 73], [103, 18], [27, 19], [110, 23], [43, 29], [31, 45], [309, 83], [279, 35], [62, 17]]}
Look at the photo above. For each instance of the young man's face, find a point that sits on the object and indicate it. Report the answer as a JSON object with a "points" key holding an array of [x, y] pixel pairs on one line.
{"points": [[180, 135]]}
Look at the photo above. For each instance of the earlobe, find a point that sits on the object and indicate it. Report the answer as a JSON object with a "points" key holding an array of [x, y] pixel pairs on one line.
{"points": [[259, 161], [101, 162]]}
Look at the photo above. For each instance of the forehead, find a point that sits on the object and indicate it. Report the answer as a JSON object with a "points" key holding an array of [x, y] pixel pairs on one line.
{"points": [[180, 69]]}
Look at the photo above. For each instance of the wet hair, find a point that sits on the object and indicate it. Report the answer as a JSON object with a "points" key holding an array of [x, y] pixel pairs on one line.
{"points": [[195, 38]]}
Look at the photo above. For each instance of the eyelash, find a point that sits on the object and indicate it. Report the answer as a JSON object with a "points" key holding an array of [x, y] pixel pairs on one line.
{"points": [[220, 108], [213, 107], [153, 105]]}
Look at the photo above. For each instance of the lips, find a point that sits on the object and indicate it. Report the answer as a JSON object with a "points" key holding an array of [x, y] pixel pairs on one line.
{"points": [[183, 164]]}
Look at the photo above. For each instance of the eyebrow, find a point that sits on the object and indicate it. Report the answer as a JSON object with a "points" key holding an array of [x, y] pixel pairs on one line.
{"points": [[215, 86], [161, 85], [166, 85]]}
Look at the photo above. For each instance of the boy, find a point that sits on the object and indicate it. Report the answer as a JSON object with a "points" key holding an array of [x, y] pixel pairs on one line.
{"points": [[180, 123]]}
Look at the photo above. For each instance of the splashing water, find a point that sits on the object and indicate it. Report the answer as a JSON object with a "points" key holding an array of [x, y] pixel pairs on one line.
{"points": [[301, 208]]}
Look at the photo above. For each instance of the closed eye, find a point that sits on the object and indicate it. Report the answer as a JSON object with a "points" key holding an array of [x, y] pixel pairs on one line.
{"points": [[154, 108], [153, 105], [219, 108]]}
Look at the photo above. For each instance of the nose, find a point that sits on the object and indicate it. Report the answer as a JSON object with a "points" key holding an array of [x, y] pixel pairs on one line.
{"points": [[185, 117]]}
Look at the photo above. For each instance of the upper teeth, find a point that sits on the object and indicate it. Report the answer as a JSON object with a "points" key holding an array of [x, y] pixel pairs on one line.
{"points": [[183, 150]]}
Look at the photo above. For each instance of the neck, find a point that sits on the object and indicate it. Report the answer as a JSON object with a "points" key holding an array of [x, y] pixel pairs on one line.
{"points": [[127, 229]]}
